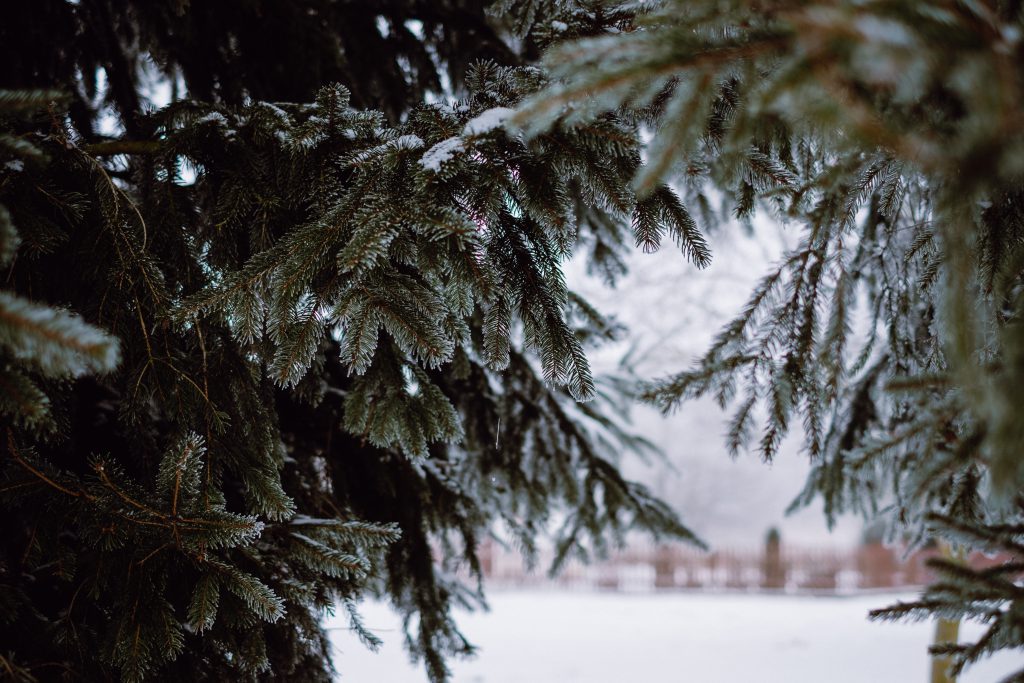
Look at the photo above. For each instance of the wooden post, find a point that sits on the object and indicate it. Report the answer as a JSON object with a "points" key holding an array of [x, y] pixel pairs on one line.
{"points": [[773, 574], [486, 555]]}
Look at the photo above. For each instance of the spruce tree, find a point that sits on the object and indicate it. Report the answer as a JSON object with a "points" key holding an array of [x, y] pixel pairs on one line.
{"points": [[888, 134], [333, 361], [298, 337]]}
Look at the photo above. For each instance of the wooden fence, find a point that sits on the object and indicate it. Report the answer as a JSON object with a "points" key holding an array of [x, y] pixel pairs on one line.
{"points": [[772, 568]]}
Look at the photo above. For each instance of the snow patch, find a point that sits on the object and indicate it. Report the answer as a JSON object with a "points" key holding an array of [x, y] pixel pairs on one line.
{"points": [[399, 143], [213, 117], [312, 140], [613, 637], [559, 25], [304, 520], [279, 113], [415, 26], [407, 142], [441, 153], [445, 109], [15, 165], [487, 121]]}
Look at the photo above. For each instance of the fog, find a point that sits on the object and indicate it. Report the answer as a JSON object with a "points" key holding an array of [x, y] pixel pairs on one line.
{"points": [[672, 310]]}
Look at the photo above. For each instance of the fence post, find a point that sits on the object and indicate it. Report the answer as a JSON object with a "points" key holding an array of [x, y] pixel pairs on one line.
{"points": [[773, 573], [486, 554], [664, 567], [877, 566]]}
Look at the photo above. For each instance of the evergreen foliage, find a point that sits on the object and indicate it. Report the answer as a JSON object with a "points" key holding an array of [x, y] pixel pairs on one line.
{"points": [[889, 134], [285, 343], [277, 346]]}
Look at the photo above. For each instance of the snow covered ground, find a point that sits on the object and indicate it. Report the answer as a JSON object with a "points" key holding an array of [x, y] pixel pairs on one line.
{"points": [[557, 637]]}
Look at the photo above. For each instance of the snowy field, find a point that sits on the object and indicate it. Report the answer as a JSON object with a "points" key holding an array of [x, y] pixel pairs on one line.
{"points": [[554, 637]]}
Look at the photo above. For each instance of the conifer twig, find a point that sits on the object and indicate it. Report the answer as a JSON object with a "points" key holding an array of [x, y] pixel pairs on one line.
{"points": [[13, 450]]}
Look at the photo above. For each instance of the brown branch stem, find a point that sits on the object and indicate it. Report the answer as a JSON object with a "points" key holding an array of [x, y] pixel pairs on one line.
{"points": [[114, 147]]}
